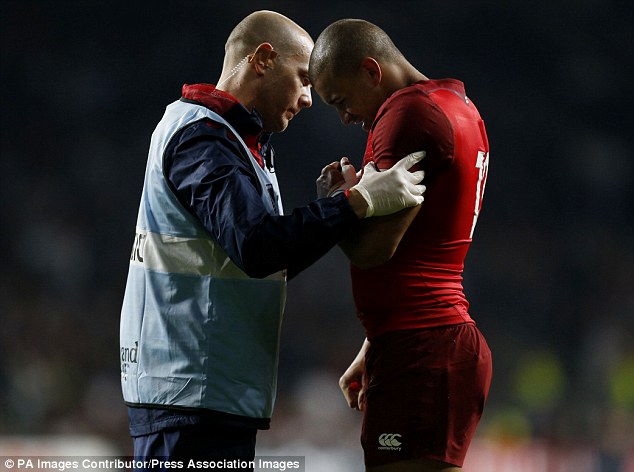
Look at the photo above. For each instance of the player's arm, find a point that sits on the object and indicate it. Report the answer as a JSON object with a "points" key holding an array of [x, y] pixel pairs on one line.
{"points": [[376, 240]]}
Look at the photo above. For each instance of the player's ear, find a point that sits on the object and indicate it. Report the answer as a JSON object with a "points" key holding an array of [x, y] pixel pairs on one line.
{"points": [[263, 58], [372, 70]]}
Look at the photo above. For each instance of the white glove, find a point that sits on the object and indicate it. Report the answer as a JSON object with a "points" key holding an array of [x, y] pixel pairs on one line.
{"points": [[393, 189], [337, 177], [350, 177]]}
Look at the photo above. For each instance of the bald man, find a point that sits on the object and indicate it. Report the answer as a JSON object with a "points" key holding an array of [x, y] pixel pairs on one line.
{"points": [[423, 373], [206, 286]]}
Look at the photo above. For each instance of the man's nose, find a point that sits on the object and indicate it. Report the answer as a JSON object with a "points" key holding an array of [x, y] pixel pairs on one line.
{"points": [[306, 99]]}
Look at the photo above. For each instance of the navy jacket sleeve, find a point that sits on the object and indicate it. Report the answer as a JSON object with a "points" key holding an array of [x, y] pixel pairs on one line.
{"points": [[214, 180]]}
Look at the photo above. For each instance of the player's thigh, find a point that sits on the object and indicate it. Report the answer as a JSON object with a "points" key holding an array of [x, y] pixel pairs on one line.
{"points": [[414, 465]]}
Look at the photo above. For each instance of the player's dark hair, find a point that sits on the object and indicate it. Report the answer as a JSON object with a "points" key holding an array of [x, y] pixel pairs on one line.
{"points": [[342, 46]]}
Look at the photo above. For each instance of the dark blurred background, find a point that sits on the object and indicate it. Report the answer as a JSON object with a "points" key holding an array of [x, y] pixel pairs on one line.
{"points": [[549, 275]]}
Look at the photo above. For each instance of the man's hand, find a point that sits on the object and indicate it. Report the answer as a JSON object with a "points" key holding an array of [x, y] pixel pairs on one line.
{"points": [[351, 384], [393, 189], [352, 381], [336, 177]]}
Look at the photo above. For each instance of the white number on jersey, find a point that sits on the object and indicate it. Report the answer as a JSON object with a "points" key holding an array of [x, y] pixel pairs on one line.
{"points": [[482, 163]]}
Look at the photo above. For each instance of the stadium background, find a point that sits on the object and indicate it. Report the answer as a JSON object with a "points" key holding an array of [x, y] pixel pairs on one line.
{"points": [[549, 275]]}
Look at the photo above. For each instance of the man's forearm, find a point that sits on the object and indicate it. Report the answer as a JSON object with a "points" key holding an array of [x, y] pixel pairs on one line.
{"points": [[358, 203]]}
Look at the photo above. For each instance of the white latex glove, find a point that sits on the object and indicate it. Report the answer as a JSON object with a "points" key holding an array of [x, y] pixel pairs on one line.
{"points": [[337, 177], [350, 177], [393, 189]]}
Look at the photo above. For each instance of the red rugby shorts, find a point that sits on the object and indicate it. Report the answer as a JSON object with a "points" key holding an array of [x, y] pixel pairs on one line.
{"points": [[425, 393]]}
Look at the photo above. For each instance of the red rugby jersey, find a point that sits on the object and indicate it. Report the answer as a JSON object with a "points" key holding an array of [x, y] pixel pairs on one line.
{"points": [[421, 286]]}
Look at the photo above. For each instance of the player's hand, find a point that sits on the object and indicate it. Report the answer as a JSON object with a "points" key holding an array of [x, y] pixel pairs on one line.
{"points": [[351, 384], [393, 189], [336, 177]]}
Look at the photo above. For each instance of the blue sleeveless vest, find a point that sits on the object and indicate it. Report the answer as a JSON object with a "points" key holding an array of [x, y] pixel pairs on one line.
{"points": [[196, 331]]}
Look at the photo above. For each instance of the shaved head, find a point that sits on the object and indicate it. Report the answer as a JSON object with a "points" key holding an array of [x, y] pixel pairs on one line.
{"points": [[342, 46], [286, 36], [266, 67]]}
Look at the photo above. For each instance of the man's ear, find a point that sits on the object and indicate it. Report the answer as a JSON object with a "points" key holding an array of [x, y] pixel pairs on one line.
{"points": [[263, 58], [372, 70]]}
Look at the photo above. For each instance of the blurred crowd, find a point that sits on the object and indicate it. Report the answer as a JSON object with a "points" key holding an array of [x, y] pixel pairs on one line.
{"points": [[549, 275]]}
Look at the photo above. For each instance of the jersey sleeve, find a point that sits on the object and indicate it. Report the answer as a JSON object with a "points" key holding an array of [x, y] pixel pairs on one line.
{"points": [[215, 182], [408, 122]]}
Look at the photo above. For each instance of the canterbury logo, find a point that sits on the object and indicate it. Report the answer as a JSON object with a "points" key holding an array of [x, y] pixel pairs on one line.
{"points": [[389, 440]]}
